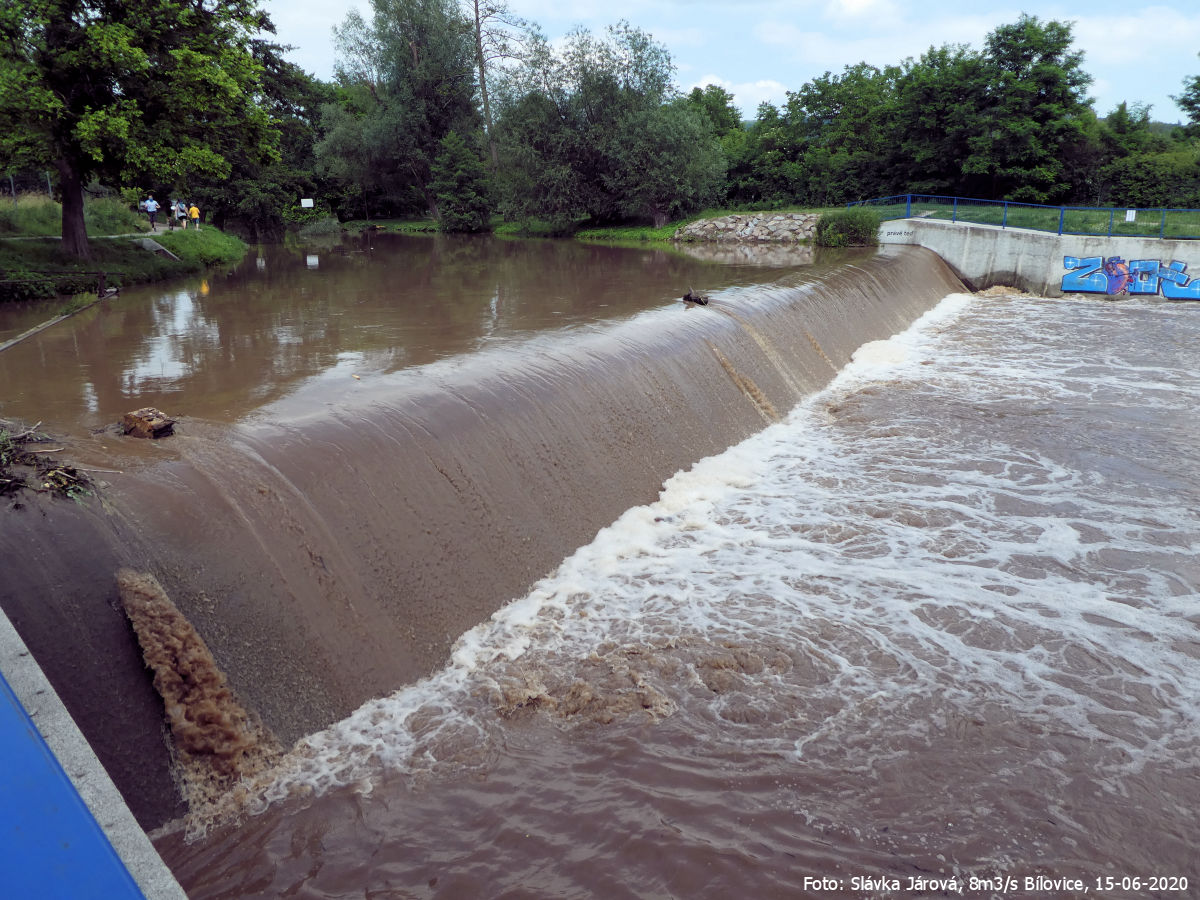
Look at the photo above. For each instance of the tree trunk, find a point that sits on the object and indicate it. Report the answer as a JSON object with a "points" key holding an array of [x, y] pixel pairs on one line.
{"points": [[487, 109], [74, 230]]}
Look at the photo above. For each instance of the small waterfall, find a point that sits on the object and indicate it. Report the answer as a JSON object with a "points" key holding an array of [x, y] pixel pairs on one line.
{"points": [[333, 547]]}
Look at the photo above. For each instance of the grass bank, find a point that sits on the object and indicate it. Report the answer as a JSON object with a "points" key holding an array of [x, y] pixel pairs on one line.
{"points": [[38, 215], [36, 268]]}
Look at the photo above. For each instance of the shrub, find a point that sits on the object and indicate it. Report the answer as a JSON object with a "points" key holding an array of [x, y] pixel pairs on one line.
{"points": [[32, 214], [855, 226], [109, 215], [326, 226]]}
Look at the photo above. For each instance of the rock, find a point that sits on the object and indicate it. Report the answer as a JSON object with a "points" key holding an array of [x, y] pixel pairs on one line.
{"points": [[772, 228], [147, 422]]}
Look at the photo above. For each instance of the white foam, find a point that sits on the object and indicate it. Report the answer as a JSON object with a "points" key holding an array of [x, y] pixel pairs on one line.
{"points": [[917, 549]]}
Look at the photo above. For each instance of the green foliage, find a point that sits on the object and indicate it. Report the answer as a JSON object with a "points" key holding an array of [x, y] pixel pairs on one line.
{"points": [[594, 131], [460, 184], [37, 214], [143, 90], [717, 105], [327, 226], [407, 81], [1036, 90], [261, 197], [857, 226], [1156, 179], [1009, 121], [109, 215], [1189, 101], [42, 270], [31, 214]]}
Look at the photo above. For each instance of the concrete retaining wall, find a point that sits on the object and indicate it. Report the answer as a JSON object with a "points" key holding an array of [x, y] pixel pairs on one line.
{"points": [[987, 255]]}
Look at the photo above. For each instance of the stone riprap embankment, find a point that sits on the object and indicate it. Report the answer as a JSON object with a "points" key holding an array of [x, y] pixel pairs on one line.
{"points": [[759, 228]]}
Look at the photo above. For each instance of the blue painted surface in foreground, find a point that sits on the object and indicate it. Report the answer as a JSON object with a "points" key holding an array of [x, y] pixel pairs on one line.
{"points": [[50, 845]]}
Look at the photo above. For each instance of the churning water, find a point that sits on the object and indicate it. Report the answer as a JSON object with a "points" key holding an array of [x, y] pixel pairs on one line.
{"points": [[940, 625]]}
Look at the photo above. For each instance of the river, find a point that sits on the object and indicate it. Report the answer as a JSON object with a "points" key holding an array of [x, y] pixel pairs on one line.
{"points": [[934, 628], [941, 623]]}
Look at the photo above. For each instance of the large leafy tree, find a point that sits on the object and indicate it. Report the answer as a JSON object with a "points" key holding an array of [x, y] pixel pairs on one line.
{"points": [[1035, 108], [461, 186], [940, 99], [408, 80], [261, 195], [844, 126], [121, 89], [596, 130]]}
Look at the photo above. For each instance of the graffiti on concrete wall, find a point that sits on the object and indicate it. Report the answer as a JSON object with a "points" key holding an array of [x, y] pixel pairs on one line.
{"points": [[1116, 277]]}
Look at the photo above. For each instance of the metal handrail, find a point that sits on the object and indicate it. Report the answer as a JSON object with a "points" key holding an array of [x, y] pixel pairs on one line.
{"points": [[1100, 221]]}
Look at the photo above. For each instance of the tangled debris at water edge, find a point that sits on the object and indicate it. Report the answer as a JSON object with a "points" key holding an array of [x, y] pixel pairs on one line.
{"points": [[25, 468]]}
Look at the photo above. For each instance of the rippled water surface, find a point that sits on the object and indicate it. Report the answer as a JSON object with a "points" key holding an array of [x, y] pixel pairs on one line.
{"points": [[942, 622]]}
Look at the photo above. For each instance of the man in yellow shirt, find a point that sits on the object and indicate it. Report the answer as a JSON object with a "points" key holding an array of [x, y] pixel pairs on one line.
{"points": [[194, 215]]}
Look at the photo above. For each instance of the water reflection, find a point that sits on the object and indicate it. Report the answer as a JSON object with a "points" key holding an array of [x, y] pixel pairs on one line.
{"points": [[734, 254], [219, 346]]}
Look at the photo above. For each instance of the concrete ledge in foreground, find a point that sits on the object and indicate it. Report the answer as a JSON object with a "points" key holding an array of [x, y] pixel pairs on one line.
{"points": [[65, 831]]}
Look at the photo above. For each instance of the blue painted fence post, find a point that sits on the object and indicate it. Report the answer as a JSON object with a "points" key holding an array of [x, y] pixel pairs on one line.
{"points": [[1111, 212], [908, 206], [1062, 212], [1162, 229], [1004, 221], [954, 217]]}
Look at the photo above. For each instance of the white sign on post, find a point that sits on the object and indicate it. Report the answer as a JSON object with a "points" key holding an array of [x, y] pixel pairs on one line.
{"points": [[306, 203]]}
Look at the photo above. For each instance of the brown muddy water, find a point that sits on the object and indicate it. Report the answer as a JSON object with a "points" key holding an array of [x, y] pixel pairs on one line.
{"points": [[916, 632], [378, 445]]}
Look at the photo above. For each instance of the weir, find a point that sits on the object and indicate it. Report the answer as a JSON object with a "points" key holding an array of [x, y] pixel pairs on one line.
{"points": [[331, 547]]}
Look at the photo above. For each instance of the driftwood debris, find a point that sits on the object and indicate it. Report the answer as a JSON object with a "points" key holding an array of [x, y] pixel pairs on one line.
{"points": [[692, 297], [147, 422]]}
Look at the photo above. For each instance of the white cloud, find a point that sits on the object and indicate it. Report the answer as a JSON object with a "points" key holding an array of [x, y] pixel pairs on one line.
{"points": [[749, 94]]}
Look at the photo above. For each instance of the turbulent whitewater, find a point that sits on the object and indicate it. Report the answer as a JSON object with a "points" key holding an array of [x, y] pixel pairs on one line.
{"points": [[940, 622]]}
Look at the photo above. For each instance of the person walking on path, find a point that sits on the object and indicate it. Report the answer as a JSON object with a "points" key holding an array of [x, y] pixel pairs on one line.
{"points": [[152, 211], [194, 215]]}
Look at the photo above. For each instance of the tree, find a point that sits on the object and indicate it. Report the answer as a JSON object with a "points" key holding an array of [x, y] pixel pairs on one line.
{"points": [[678, 134], [717, 105], [499, 35], [765, 168], [460, 183], [593, 130], [408, 81], [940, 99], [164, 89], [1189, 100], [261, 197], [1034, 108], [844, 124]]}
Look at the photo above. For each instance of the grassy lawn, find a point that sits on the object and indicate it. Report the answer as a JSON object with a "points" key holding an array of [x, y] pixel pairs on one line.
{"points": [[37, 269]]}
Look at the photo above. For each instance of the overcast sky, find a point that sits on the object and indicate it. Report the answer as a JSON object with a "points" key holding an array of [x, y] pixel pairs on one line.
{"points": [[760, 49]]}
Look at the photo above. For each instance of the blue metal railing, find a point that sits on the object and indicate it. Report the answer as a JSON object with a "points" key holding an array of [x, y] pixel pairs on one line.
{"points": [[1182, 224]]}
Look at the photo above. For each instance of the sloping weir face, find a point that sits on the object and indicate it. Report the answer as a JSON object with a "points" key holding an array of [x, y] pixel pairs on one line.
{"points": [[331, 549]]}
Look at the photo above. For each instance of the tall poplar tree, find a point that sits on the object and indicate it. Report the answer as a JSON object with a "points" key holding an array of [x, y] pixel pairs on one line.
{"points": [[123, 88]]}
